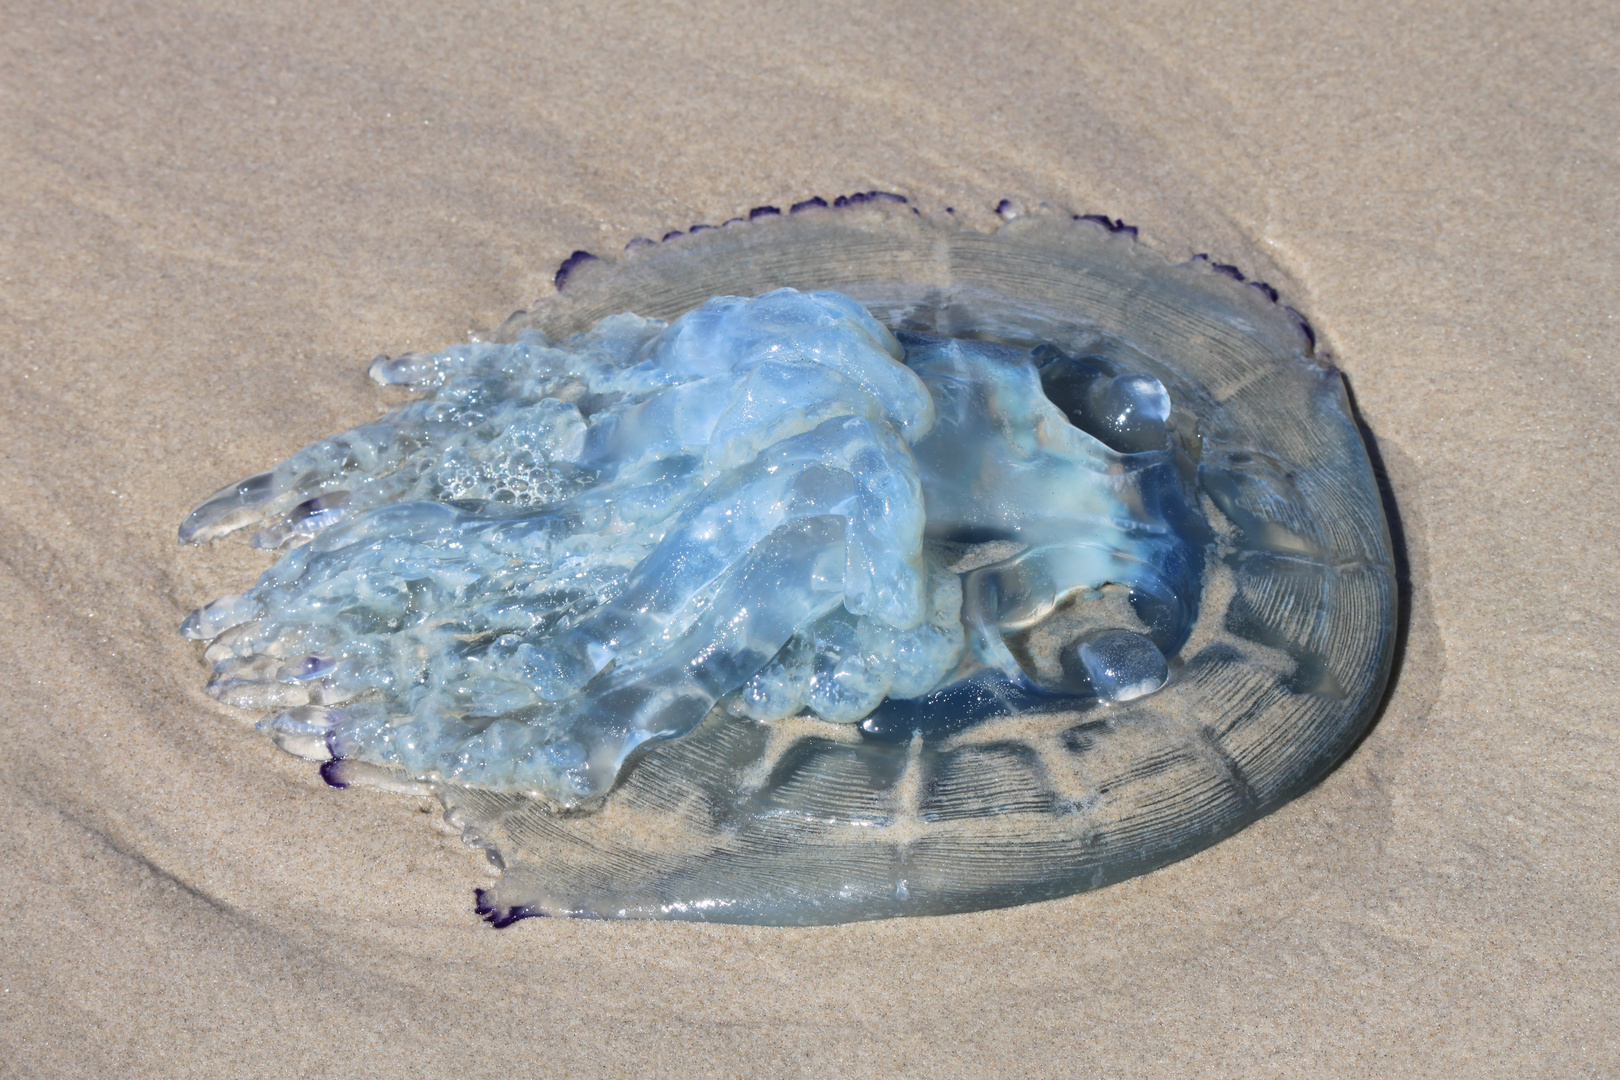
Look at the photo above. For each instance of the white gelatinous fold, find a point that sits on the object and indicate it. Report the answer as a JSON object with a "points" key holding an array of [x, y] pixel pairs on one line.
{"points": [[566, 549]]}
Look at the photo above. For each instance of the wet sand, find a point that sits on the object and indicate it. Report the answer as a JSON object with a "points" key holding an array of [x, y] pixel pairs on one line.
{"points": [[213, 216]]}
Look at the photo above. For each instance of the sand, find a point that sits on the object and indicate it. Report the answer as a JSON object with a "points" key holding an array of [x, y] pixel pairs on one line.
{"points": [[213, 215]]}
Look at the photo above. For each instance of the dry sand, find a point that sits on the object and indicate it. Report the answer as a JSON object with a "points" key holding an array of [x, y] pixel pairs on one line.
{"points": [[213, 214]]}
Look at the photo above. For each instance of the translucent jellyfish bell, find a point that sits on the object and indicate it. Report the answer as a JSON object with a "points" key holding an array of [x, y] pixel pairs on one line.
{"points": [[871, 567]]}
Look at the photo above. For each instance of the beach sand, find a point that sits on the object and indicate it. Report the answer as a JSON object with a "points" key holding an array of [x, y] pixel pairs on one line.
{"points": [[214, 214]]}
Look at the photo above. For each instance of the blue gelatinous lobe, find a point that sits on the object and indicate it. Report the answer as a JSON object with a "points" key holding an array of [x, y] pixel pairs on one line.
{"points": [[564, 550], [1121, 665]]}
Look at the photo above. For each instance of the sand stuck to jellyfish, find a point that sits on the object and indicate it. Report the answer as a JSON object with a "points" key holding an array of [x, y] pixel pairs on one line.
{"points": [[830, 565]]}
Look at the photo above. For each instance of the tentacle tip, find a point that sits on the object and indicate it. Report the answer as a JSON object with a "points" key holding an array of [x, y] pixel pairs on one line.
{"points": [[335, 773], [501, 916]]}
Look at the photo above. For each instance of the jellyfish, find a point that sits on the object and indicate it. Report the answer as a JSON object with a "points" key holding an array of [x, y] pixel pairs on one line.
{"points": [[831, 565]]}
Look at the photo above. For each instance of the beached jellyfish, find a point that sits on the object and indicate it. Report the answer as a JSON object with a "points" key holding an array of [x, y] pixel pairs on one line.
{"points": [[832, 565]]}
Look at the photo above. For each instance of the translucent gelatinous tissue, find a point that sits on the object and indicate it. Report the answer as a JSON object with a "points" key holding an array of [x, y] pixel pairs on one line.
{"points": [[902, 570]]}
